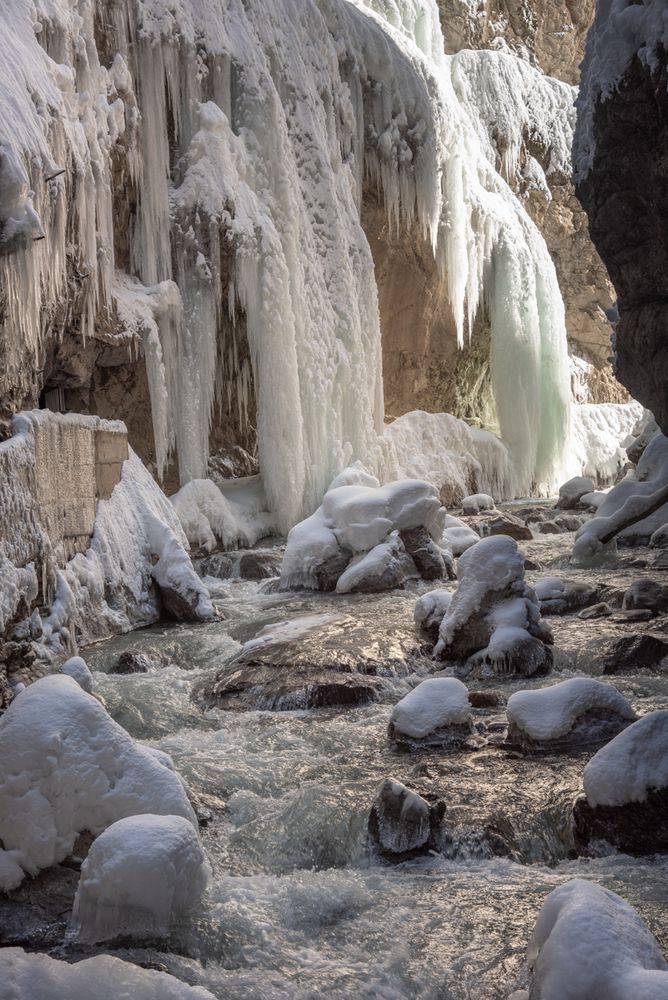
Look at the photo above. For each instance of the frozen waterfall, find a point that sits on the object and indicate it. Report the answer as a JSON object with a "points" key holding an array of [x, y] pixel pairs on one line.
{"points": [[199, 167]]}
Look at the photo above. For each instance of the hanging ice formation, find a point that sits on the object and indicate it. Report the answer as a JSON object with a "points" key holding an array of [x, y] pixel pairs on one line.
{"points": [[231, 141]]}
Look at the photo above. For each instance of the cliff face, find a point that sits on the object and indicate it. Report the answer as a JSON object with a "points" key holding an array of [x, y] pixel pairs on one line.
{"points": [[625, 194], [551, 33], [422, 367]]}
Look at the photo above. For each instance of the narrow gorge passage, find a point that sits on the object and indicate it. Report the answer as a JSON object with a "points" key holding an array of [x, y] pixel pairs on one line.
{"points": [[333, 533]]}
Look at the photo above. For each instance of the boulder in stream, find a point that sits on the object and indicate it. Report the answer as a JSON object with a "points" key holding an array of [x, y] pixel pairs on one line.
{"points": [[577, 712], [402, 824], [646, 650], [646, 594], [435, 714], [626, 791], [493, 625], [560, 597]]}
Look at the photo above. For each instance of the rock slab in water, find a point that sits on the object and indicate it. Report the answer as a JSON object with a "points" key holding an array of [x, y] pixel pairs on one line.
{"points": [[646, 594]]}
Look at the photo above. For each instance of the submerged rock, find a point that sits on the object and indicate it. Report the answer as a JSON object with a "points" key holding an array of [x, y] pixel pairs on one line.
{"points": [[133, 662], [402, 824], [315, 661]]}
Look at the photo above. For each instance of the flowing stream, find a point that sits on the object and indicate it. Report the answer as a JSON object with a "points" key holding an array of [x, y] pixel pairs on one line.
{"points": [[299, 906]]}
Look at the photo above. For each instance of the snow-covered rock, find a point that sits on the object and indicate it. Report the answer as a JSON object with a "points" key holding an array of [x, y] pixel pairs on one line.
{"points": [[477, 502], [355, 540], [493, 624], [626, 790], [632, 765], [558, 597], [646, 594], [576, 712], [458, 535], [210, 520], [633, 497], [435, 713], [401, 823], [589, 944], [141, 876], [77, 668], [430, 610], [25, 976], [571, 492], [78, 770]]}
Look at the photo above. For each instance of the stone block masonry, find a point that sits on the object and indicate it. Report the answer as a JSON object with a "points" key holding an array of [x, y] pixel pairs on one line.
{"points": [[53, 471]]}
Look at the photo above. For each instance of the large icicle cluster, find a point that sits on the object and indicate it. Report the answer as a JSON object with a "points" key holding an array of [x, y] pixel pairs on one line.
{"points": [[235, 139]]}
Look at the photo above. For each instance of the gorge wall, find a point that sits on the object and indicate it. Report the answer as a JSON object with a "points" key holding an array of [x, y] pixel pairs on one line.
{"points": [[622, 172], [421, 365]]}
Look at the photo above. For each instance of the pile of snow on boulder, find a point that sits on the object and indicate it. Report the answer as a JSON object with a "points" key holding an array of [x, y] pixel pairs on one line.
{"points": [[436, 713], [493, 624], [366, 537], [589, 944], [575, 712]]}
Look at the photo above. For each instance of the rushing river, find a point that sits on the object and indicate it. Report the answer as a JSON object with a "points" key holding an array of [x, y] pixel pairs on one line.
{"points": [[299, 907]]}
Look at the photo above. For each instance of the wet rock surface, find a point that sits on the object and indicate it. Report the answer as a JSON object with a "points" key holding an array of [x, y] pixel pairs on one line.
{"points": [[634, 652], [633, 828], [403, 824], [317, 661]]}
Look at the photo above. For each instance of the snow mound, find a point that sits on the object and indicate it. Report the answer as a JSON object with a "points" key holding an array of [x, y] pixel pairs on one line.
{"points": [[431, 608], [633, 509], [363, 537], [39, 977], [210, 521], [550, 712], [141, 875], [599, 435], [433, 704], [66, 767], [77, 668], [494, 617], [570, 492], [631, 765], [589, 944], [477, 502], [458, 535]]}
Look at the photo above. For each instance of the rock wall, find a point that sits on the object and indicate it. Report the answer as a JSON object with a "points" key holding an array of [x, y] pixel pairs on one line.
{"points": [[625, 194], [551, 33]]}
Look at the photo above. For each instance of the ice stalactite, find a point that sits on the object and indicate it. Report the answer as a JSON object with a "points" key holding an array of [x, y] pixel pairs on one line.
{"points": [[232, 142]]}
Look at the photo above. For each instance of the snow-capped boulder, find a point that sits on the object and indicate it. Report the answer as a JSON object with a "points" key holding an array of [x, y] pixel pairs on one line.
{"points": [[366, 537], [626, 790], [559, 597], [430, 610], [77, 668], [458, 535], [646, 594], [141, 876], [571, 493], [493, 624], [402, 824], [39, 977], [576, 712], [79, 770], [589, 944], [477, 503], [436, 713]]}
